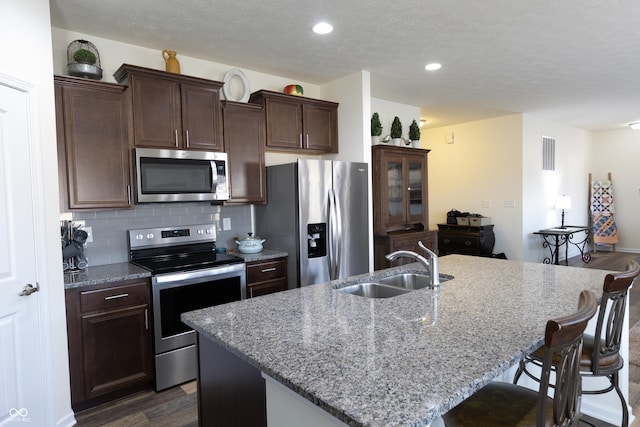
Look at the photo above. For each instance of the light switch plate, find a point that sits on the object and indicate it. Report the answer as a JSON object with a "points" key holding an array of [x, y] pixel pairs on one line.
{"points": [[226, 223]]}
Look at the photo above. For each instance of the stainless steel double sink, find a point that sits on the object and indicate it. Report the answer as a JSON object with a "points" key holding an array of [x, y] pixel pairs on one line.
{"points": [[391, 286]]}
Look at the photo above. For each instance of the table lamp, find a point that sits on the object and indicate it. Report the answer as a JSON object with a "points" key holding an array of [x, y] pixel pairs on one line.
{"points": [[563, 202]]}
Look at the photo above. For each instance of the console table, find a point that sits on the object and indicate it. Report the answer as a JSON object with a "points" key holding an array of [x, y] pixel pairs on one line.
{"points": [[556, 238]]}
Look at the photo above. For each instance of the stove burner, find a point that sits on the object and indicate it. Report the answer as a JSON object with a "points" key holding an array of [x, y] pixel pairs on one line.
{"points": [[185, 262], [170, 249]]}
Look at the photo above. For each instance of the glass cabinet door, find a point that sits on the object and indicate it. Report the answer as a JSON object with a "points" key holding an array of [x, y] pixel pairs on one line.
{"points": [[415, 185], [395, 191]]}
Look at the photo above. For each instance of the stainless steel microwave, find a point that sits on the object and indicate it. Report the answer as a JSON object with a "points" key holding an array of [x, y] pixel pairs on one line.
{"points": [[180, 175]]}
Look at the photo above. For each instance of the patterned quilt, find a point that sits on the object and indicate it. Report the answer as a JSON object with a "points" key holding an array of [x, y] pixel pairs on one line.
{"points": [[602, 210]]}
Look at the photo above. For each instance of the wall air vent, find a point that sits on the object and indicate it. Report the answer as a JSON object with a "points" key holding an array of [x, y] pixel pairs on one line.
{"points": [[548, 154]]}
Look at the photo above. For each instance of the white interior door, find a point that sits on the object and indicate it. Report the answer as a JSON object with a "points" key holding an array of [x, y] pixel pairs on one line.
{"points": [[21, 356]]}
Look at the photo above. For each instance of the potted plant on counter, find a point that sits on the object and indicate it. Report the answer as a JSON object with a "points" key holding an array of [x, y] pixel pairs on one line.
{"points": [[376, 129], [414, 134], [396, 131]]}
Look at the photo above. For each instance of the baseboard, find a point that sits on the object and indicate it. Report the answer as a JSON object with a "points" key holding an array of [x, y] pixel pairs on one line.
{"points": [[67, 421], [604, 413]]}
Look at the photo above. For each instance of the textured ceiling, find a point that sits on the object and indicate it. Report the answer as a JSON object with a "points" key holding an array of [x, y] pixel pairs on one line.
{"points": [[574, 62]]}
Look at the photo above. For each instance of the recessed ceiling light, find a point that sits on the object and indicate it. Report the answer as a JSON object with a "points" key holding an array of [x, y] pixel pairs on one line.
{"points": [[433, 66], [635, 125], [322, 28]]}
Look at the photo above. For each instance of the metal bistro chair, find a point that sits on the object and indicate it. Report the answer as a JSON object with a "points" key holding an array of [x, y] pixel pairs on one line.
{"points": [[601, 352], [503, 404]]}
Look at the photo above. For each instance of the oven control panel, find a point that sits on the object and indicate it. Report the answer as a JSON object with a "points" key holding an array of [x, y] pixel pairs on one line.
{"points": [[162, 236]]}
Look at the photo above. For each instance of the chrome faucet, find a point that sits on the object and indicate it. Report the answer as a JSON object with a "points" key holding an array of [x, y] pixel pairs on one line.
{"points": [[431, 265]]}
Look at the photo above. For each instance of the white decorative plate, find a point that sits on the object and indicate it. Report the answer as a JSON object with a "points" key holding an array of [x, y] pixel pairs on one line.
{"points": [[234, 72]]}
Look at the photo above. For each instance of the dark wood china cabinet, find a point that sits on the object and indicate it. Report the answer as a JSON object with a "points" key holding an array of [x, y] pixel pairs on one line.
{"points": [[400, 202]]}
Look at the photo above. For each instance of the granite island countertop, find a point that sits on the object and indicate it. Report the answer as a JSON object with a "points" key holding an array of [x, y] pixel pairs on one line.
{"points": [[400, 361]]}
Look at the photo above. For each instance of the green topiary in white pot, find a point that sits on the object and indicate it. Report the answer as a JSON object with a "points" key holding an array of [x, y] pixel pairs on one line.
{"points": [[396, 131], [376, 129], [414, 134]]}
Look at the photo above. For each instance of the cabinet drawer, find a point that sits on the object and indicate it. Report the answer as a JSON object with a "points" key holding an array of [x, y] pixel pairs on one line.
{"points": [[263, 271], [114, 297], [266, 288]]}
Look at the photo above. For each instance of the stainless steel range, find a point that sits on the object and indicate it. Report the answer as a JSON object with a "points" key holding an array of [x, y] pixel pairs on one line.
{"points": [[187, 274]]}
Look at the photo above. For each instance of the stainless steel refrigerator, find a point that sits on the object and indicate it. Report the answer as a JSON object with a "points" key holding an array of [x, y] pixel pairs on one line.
{"points": [[317, 212]]}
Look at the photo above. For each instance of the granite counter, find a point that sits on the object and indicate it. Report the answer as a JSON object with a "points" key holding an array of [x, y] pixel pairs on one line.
{"points": [[400, 361], [100, 274]]}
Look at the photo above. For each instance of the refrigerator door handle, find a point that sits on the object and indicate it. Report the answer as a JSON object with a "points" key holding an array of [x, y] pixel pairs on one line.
{"points": [[335, 228]]}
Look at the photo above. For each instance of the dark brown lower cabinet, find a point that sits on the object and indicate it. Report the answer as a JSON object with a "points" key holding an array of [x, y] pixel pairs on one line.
{"points": [[266, 277], [402, 241], [109, 338], [231, 392]]}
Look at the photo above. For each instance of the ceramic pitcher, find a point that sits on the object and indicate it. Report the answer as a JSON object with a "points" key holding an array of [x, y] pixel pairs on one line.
{"points": [[172, 64]]}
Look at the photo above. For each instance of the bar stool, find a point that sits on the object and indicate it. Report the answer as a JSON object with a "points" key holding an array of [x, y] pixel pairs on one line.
{"points": [[503, 404], [601, 352]]}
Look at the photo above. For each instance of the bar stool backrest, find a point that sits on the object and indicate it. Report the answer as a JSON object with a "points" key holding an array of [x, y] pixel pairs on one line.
{"points": [[611, 315], [562, 350]]}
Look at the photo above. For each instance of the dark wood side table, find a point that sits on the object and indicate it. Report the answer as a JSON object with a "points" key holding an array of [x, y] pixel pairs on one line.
{"points": [[466, 239], [556, 238]]}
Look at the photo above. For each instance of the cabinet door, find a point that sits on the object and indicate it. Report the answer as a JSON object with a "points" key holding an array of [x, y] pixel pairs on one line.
{"points": [[95, 146], [416, 194], [117, 350], [200, 118], [284, 124], [320, 128], [244, 139], [156, 112], [395, 192]]}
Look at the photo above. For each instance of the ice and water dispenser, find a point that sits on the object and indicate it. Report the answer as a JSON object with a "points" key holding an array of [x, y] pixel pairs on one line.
{"points": [[317, 240]]}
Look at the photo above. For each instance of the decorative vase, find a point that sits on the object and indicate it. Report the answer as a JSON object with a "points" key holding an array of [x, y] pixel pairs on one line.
{"points": [[375, 139], [172, 64], [397, 141], [415, 143]]}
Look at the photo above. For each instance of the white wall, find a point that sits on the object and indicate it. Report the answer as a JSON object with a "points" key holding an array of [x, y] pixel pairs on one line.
{"points": [[572, 161], [478, 173], [113, 54], [618, 152], [26, 31]]}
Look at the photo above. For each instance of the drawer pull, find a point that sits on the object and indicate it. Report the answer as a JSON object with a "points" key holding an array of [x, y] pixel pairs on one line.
{"points": [[266, 270], [447, 241], [468, 243], [116, 296]]}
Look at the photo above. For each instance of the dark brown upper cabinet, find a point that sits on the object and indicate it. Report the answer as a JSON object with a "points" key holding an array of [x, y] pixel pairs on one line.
{"points": [[173, 111], [299, 124], [244, 139], [92, 120]]}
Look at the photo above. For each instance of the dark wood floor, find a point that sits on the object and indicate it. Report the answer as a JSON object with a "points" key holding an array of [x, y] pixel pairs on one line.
{"points": [[177, 406]]}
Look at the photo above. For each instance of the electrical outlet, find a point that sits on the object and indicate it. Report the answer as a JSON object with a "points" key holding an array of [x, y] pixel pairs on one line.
{"points": [[486, 203], [89, 231], [509, 203], [226, 224]]}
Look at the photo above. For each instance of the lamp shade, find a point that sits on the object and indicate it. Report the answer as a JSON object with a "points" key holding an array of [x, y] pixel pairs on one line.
{"points": [[563, 202]]}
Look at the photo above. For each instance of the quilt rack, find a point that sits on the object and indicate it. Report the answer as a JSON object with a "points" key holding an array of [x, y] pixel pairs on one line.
{"points": [[602, 211]]}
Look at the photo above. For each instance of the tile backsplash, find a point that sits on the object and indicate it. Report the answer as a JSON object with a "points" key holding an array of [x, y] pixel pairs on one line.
{"points": [[110, 227]]}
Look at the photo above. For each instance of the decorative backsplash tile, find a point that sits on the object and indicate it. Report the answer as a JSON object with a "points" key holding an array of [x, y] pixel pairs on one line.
{"points": [[110, 227]]}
